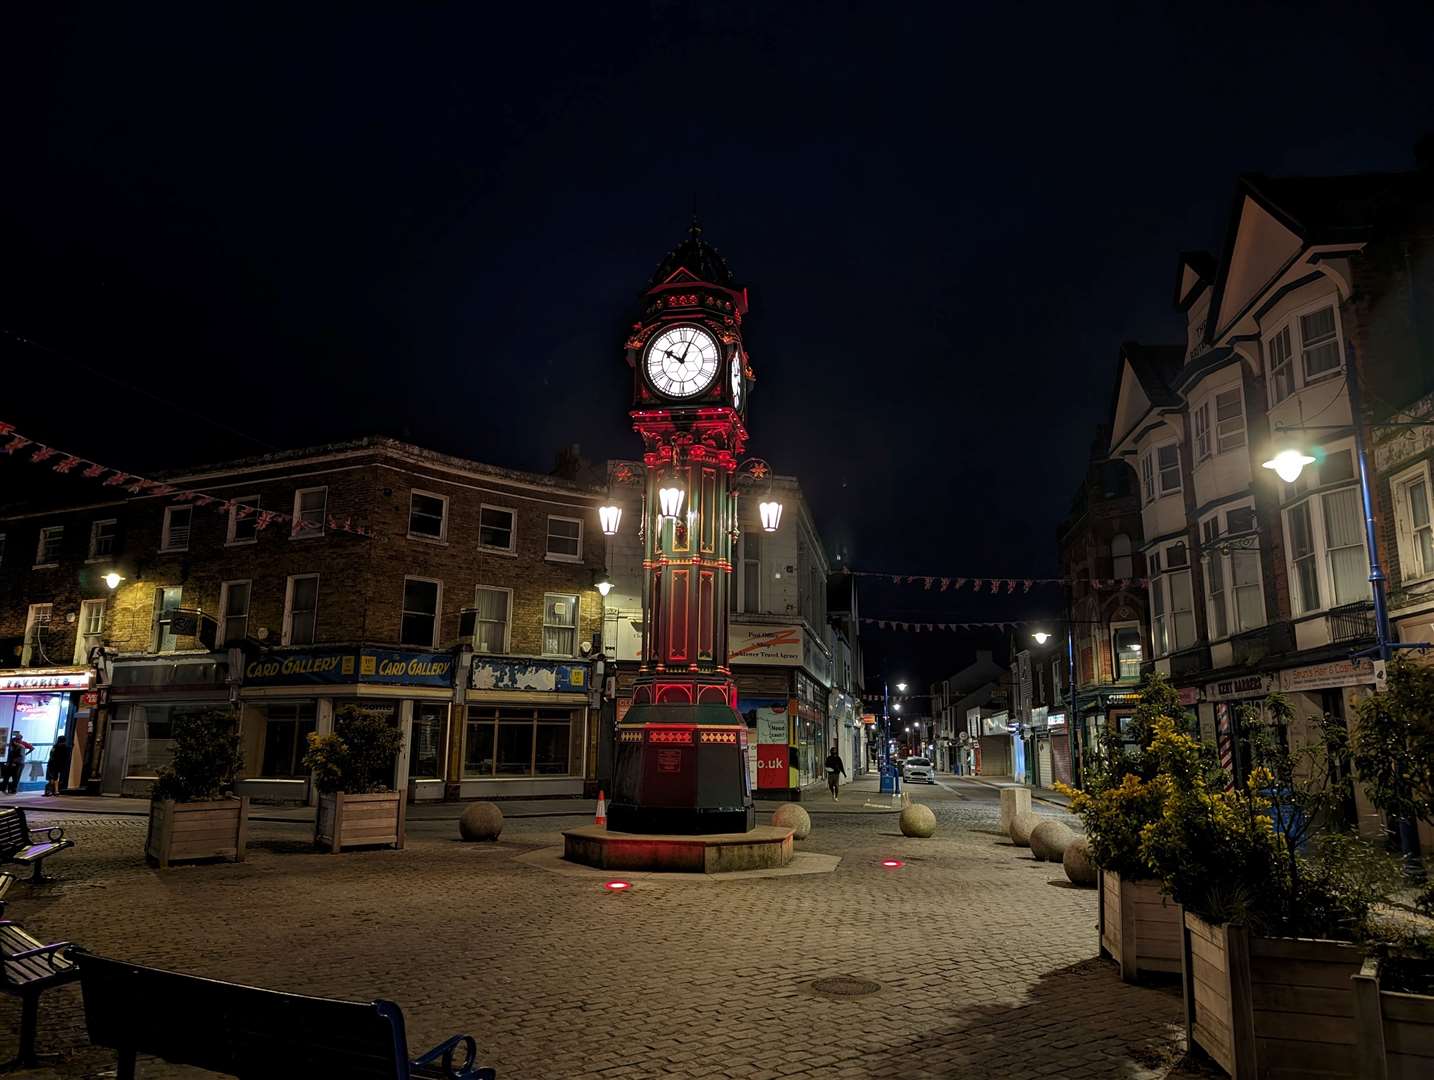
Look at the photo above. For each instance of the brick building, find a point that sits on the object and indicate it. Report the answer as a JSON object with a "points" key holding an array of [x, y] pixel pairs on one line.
{"points": [[456, 599]]}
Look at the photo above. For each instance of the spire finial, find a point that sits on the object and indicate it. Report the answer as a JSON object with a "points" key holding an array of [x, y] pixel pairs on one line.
{"points": [[695, 229]]}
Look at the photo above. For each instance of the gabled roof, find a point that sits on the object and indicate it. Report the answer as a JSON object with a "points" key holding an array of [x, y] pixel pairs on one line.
{"points": [[1144, 375], [1193, 275], [1289, 214], [693, 260]]}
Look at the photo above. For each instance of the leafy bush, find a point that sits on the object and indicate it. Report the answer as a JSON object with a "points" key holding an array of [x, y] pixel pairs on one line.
{"points": [[358, 756], [1393, 744], [206, 758]]}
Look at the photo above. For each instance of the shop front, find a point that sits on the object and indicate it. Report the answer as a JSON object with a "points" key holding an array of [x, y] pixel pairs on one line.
{"points": [[783, 677], [289, 695], [1220, 719], [40, 705], [147, 694], [525, 728]]}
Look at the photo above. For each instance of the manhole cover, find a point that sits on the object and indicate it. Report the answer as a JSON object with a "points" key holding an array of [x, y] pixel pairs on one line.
{"points": [[845, 986]]}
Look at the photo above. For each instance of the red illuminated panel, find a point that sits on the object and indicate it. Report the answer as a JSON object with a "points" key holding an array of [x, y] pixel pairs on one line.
{"points": [[679, 601], [706, 584]]}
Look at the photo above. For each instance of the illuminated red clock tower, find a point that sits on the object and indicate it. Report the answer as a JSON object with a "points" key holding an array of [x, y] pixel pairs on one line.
{"points": [[680, 762]]}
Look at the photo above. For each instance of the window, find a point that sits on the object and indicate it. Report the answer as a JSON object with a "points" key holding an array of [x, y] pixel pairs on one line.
{"points": [[1125, 640], [751, 571], [420, 613], [1215, 594], [1229, 420], [1344, 542], [1168, 464], [37, 629], [102, 537], [493, 622], [519, 741], [286, 739], [166, 603], [1302, 554], [175, 536], [425, 762], [243, 520], [1172, 605], [1240, 521], [1177, 555], [1412, 523], [565, 539], [1249, 594], [47, 552], [151, 736], [310, 508], [91, 628], [427, 516], [1282, 372], [560, 625], [301, 609], [1202, 431], [1318, 343], [233, 612], [497, 528], [1336, 467], [1147, 477]]}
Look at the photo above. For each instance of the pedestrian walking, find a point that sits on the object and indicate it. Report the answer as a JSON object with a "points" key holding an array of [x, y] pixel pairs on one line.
{"points": [[15, 753], [57, 769], [835, 770]]}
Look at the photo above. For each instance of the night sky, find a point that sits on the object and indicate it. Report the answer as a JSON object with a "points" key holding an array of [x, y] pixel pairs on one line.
{"points": [[303, 223]]}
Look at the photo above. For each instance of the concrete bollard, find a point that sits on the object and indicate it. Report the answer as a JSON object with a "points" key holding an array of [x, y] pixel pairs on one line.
{"points": [[1015, 799]]}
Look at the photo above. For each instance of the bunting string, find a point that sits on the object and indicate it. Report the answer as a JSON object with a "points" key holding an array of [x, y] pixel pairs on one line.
{"points": [[912, 626], [12, 443], [997, 586]]}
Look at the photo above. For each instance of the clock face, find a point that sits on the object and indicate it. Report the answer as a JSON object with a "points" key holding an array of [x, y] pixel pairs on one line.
{"points": [[682, 361], [737, 379]]}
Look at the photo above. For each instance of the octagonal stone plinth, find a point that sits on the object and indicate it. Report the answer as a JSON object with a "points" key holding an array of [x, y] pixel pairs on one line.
{"points": [[764, 848]]}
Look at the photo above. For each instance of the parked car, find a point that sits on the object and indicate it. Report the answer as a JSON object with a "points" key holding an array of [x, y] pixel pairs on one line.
{"points": [[918, 768]]}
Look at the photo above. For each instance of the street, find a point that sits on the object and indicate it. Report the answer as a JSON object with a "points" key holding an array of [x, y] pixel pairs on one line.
{"points": [[986, 960]]}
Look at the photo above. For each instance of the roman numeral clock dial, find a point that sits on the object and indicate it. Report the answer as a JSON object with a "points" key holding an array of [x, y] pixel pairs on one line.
{"points": [[682, 361]]}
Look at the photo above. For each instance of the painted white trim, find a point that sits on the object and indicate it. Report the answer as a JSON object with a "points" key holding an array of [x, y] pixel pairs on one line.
{"points": [[442, 537], [508, 621], [94, 525], [549, 554], [576, 628], [251, 500], [437, 610], [220, 639], [512, 548], [308, 534], [1399, 485], [166, 542], [289, 608]]}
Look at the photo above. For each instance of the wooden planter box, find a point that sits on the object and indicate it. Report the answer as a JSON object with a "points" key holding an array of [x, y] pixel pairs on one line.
{"points": [[1395, 1031], [1139, 927], [1271, 1007], [197, 830], [346, 821]]}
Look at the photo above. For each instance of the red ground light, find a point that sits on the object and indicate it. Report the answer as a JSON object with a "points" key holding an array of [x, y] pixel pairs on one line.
{"points": [[617, 886], [892, 864]]}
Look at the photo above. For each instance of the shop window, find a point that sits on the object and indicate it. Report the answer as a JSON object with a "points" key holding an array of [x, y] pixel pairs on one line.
{"points": [[565, 539], [38, 718], [47, 552], [427, 515], [497, 528], [301, 609], [166, 603], [243, 520], [425, 761], [286, 736], [492, 625], [233, 612], [177, 523], [310, 508], [560, 625], [419, 626], [37, 630], [518, 741], [102, 537]]}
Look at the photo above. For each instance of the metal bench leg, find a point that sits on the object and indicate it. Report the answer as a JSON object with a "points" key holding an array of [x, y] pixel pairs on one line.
{"points": [[38, 877], [29, 1021]]}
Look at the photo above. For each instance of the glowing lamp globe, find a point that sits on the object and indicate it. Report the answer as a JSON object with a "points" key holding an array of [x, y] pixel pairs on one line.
{"points": [[669, 501], [1041, 637], [609, 517], [604, 587], [771, 513], [1288, 464], [112, 580]]}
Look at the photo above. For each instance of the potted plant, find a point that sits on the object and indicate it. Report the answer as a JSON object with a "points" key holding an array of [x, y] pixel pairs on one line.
{"points": [[1272, 935], [353, 768], [1139, 926], [191, 813]]}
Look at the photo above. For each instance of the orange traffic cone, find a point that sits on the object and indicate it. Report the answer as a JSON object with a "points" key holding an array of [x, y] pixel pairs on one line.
{"points": [[601, 818]]}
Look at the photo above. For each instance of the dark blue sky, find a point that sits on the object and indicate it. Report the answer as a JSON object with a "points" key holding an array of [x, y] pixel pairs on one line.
{"points": [[314, 221]]}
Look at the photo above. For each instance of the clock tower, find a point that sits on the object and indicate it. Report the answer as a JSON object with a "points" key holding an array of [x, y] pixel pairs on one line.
{"points": [[680, 762]]}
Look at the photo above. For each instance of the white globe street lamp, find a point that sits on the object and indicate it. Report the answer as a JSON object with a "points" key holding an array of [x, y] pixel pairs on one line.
{"points": [[610, 517], [1288, 464]]}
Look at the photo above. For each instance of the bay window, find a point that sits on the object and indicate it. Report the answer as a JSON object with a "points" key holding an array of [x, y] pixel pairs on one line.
{"points": [[1328, 562], [1313, 336], [1172, 601], [1234, 591]]}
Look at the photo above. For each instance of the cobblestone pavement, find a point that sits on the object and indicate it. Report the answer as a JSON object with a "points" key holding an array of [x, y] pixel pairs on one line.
{"points": [[986, 959]]}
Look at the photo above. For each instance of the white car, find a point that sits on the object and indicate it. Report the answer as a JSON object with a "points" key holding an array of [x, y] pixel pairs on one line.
{"points": [[918, 768]]}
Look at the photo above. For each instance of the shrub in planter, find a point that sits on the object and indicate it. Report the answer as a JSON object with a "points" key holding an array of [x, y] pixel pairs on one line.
{"points": [[191, 814], [353, 769]]}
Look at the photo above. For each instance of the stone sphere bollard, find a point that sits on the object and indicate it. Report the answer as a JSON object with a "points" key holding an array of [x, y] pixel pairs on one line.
{"points": [[1077, 863], [1050, 839], [1021, 827], [918, 820], [481, 821], [791, 816]]}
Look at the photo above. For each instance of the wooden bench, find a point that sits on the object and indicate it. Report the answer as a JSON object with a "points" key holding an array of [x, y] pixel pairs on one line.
{"points": [[29, 969], [252, 1033], [19, 843], [6, 880]]}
